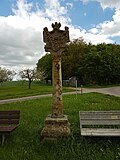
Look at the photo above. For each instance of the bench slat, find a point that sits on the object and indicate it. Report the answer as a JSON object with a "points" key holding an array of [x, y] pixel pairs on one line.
{"points": [[9, 116], [111, 116], [100, 121], [100, 132], [99, 112], [9, 121], [100, 117], [7, 129], [10, 112]]}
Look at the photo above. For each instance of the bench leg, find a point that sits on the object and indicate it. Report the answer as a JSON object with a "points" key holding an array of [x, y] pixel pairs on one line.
{"points": [[3, 138]]}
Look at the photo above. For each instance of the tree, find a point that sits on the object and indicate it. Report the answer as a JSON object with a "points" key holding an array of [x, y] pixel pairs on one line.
{"points": [[101, 64], [30, 75], [72, 57], [39, 76], [44, 65], [91, 64], [6, 75]]}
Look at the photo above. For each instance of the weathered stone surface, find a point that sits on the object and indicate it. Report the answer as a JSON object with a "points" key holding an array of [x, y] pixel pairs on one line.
{"points": [[56, 43], [57, 88], [56, 39], [56, 127]]}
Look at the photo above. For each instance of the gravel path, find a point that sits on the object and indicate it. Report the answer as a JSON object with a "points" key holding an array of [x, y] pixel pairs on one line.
{"points": [[115, 91]]}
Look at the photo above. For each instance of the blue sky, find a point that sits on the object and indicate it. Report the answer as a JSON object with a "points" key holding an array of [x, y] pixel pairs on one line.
{"points": [[83, 15], [22, 23], [89, 15]]}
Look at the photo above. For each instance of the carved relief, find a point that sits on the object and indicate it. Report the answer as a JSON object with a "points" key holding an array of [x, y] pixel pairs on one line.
{"points": [[55, 40], [56, 43], [57, 66]]}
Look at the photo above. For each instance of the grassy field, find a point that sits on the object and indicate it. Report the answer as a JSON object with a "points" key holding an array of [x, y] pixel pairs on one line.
{"points": [[25, 142], [20, 89]]}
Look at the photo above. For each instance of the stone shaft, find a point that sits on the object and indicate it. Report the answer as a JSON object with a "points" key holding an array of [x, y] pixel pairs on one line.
{"points": [[57, 87]]}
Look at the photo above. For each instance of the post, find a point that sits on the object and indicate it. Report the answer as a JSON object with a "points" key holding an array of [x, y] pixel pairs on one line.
{"points": [[76, 87], [56, 124], [81, 89]]}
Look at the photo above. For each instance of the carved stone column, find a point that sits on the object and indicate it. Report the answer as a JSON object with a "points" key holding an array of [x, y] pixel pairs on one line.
{"points": [[57, 87], [56, 124]]}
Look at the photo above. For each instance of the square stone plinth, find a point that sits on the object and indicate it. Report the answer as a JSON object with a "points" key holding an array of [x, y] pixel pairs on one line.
{"points": [[56, 127]]}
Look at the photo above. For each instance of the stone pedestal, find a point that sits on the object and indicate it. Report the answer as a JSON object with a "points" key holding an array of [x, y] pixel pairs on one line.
{"points": [[56, 127]]}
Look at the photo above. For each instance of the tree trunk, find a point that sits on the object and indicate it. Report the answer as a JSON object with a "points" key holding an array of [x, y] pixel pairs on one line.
{"points": [[30, 81]]}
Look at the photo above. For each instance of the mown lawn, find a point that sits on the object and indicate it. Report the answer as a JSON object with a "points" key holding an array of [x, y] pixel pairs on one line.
{"points": [[25, 142], [20, 89]]}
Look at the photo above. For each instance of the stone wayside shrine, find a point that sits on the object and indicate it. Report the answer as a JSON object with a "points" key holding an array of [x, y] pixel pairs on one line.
{"points": [[56, 124]]}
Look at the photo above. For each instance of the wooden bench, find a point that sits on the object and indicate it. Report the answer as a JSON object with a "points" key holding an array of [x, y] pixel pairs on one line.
{"points": [[9, 121], [100, 123]]}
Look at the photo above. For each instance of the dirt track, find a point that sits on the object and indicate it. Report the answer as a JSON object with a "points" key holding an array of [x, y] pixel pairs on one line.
{"points": [[115, 91]]}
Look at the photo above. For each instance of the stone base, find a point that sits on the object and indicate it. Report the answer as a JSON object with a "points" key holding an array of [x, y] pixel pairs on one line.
{"points": [[56, 127]]}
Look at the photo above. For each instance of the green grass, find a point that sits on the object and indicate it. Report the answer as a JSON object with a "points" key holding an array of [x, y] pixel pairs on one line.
{"points": [[25, 142], [20, 89]]}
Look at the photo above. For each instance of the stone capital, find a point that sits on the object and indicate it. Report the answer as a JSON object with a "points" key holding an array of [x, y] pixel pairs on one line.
{"points": [[56, 39]]}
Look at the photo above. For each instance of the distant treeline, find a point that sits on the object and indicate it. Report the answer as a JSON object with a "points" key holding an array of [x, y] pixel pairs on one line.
{"points": [[91, 64]]}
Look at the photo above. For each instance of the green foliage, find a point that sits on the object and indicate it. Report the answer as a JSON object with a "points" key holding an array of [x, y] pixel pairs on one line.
{"points": [[44, 65], [28, 74], [31, 74], [92, 64], [101, 65], [6, 75], [72, 58], [25, 142]]}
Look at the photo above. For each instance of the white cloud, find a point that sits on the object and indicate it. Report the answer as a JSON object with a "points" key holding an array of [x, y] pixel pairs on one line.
{"points": [[21, 41], [94, 30], [55, 12], [20, 37], [106, 3], [69, 5], [107, 29], [110, 3], [22, 8], [111, 28]]}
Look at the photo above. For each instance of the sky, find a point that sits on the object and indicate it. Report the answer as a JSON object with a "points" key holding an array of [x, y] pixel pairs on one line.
{"points": [[22, 23]]}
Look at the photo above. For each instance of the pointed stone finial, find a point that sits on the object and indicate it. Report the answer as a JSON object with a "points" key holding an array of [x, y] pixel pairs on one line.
{"points": [[56, 26]]}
